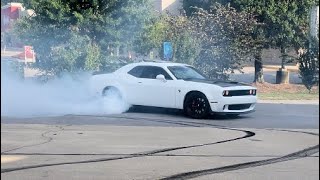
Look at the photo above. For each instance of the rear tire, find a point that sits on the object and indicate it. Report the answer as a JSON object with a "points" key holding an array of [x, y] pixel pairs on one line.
{"points": [[111, 92], [196, 105]]}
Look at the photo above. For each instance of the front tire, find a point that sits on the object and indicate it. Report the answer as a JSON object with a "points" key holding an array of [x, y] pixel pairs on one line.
{"points": [[196, 105]]}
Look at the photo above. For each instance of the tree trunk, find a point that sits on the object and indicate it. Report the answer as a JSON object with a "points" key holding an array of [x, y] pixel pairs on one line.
{"points": [[258, 69], [118, 50], [283, 56]]}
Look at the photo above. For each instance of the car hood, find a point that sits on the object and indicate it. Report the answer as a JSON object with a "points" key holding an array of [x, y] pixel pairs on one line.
{"points": [[218, 82]]}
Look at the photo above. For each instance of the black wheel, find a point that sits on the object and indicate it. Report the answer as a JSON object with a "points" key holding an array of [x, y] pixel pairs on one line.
{"points": [[196, 105], [111, 92]]}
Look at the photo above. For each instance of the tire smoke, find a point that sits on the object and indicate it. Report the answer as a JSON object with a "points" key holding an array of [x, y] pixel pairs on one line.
{"points": [[60, 96]]}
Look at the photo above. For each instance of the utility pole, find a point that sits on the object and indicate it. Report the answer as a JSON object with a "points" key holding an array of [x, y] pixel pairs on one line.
{"points": [[314, 21]]}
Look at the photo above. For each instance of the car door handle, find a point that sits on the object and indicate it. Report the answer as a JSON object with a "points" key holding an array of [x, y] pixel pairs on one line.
{"points": [[139, 82]]}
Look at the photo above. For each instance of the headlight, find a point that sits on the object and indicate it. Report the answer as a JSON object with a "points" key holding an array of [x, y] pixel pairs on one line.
{"points": [[225, 93]]}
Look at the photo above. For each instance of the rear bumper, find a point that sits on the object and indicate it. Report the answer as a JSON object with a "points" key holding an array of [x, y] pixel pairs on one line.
{"points": [[222, 106]]}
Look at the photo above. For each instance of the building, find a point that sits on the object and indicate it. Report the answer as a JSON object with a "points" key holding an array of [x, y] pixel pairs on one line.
{"points": [[10, 45], [173, 7], [10, 13]]}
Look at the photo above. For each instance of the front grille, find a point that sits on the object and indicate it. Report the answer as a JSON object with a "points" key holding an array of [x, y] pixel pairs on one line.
{"points": [[239, 106], [239, 93]]}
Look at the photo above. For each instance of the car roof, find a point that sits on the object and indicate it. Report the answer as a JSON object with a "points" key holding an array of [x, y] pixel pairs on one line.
{"points": [[162, 64], [159, 63]]}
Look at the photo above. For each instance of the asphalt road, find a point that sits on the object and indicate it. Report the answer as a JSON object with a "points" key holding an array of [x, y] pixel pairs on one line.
{"points": [[278, 141], [291, 116]]}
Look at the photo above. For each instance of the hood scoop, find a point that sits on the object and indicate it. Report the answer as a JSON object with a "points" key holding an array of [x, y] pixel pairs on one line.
{"points": [[220, 83]]}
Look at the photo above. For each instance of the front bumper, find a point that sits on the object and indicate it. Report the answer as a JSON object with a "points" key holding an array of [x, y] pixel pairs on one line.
{"points": [[230, 113], [222, 105]]}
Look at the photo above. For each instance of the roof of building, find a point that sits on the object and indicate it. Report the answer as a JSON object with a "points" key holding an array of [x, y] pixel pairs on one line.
{"points": [[12, 5]]}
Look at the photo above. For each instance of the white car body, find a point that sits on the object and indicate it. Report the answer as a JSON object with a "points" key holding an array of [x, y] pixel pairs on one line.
{"points": [[172, 93]]}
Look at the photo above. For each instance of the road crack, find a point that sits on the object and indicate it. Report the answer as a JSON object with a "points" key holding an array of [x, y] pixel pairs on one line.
{"points": [[43, 135]]}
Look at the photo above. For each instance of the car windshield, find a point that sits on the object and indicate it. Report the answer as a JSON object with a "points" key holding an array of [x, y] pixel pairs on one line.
{"points": [[185, 72]]}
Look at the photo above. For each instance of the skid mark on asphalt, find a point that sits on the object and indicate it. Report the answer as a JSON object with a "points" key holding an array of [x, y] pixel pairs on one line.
{"points": [[126, 154], [308, 152], [152, 155], [43, 135], [192, 174], [148, 153], [296, 155]]}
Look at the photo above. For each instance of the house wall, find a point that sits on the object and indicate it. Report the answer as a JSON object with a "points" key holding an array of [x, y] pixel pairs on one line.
{"points": [[171, 6]]}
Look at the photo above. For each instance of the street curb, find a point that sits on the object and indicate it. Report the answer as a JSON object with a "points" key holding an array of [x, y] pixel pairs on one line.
{"points": [[312, 102]]}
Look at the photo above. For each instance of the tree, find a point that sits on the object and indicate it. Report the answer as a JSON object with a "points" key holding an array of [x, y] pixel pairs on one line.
{"points": [[152, 36], [225, 39], [173, 29], [216, 42], [285, 24], [189, 5], [309, 64], [69, 35]]}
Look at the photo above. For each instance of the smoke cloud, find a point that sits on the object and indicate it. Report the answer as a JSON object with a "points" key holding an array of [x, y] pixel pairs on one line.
{"points": [[60, 96]]}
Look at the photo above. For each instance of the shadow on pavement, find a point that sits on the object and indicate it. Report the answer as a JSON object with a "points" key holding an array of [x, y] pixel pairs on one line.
{"points": [[178, 113]]}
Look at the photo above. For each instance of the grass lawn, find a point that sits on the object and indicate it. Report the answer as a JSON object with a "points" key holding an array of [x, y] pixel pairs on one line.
{"points": [[288, 96], [267, 91]]}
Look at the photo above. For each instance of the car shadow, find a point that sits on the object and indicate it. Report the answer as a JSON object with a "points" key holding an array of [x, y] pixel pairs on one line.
{"points": [[178, 113], [225, 117]]}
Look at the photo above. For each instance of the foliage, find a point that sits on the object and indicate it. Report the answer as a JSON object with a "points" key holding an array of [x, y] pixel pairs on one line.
{"points": [[190, 6], [93, 59], [152, 36], [225, 39], [309, 64], [173, 29], [69, 35], [284, 24], [216, 42]]}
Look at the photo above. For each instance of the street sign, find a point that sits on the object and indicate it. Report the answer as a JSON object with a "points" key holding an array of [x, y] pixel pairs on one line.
{"points": [[167, 50]]}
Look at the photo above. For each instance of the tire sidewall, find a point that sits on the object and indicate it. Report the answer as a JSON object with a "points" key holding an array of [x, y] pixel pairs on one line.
{"points": [[189, 112], [111, 91]]}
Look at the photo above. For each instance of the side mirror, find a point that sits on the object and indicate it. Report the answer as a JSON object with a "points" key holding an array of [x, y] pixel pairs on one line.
{"points": [[161, 77]]}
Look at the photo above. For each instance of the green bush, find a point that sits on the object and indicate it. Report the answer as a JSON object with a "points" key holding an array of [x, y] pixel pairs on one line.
{"points": [[309, 65]]}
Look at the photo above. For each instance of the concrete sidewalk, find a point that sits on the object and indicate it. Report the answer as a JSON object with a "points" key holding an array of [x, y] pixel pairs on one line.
{"points": [[70, 145]]}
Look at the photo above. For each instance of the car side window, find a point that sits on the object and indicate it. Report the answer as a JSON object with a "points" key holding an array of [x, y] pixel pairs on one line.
{"points": [[151, 72], [136, 71]]}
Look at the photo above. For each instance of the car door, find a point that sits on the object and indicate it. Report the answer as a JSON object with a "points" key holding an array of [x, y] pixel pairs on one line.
{"points": [[149, 91], [133, 85]]}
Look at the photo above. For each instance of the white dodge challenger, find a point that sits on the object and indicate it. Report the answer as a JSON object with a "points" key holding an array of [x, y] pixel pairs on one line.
{"points": [[175, 85]]}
